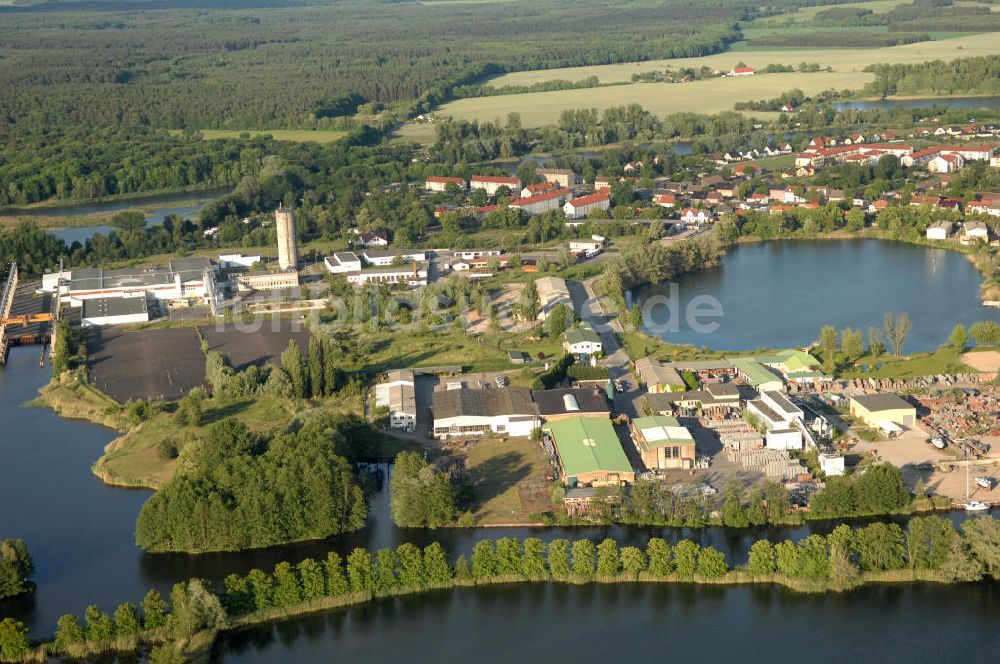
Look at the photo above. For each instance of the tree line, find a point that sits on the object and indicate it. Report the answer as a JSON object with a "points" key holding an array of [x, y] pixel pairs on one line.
{"points": [[930, 548]]}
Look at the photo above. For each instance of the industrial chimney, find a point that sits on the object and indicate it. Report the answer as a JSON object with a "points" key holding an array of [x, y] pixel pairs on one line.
{"points": [[288, 252]]}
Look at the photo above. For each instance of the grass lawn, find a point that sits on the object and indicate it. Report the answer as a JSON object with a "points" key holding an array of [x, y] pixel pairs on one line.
{"points": [[509, 480], [292, 135], [422, 133], [842, 60], [941, 361]]}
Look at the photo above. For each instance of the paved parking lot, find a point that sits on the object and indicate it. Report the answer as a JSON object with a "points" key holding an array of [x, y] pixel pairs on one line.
{"points": [[145, 364]]}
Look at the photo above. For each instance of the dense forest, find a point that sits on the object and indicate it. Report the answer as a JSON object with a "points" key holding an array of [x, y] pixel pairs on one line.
{"points": [[979, 75], [236, 490]]}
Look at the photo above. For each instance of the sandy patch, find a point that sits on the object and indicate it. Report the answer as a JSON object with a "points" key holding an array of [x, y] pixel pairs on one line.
{"points": [[987, 361]]}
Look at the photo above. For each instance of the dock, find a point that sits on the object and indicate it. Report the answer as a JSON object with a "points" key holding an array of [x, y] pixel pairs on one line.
{"points": [[26, 317]]}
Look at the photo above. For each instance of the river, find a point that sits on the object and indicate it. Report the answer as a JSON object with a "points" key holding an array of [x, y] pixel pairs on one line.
{"points": [[157, 207], [80, 534], [929, 102], [778, 294]]}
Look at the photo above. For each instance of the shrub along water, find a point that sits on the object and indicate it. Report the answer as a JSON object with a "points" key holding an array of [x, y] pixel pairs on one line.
{"points": [[929, 550]]}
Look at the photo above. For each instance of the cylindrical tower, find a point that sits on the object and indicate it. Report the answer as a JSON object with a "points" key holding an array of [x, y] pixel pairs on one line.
{"points": [[288, 251]]}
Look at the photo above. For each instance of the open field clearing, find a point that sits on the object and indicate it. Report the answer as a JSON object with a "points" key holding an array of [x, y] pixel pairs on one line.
{"points": [[809, 13], [292, 135], [842, 60], [710, 96]]}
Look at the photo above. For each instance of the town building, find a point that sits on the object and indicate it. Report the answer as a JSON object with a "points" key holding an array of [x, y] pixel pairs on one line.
{"points": [[470, 254], [946, 163], [508, 411], [412, 275], [491, 184], [695, 217], [741, 71], [369, 239], [384, 258], [342, 262], [579, 208], [561, 176], [180, 279], [561, 404], [780, 419], [658, 378], [714, 396], [795, 366], [588, 452], [582, 340], [590, 247], [530, 190], [438, 183], [940, 230], [757, 375], [552, 292], [663, 443], [884, 410], [398, 395], [975, 231], [267, 280], [543, 202]]}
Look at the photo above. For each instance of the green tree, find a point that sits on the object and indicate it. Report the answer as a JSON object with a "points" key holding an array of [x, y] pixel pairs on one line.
{"points": [[761, 561], [421, 496], [509, 557], [633, 561], [336, 580], [261, 589], [733, 514], [295, 366], [661, 562], [317, 374], [960, 564], [16, 568], [828, 340], [880, 546], [608, 558], [983, 539], [959, 338], [986, 333], [410, 570], [711, 563], [238, 596], [69, 631], [529, 303], [287, 590], [686, 558], [99, 625], [558, 320], [127, 620], [557, 558], [359, 571], [436, 565], [896, 331], [154, 610], [533, 562], [881, 489], [584, 558], [484, 560], [384, 573], [313, 579], [928, 541], [13, 640]]}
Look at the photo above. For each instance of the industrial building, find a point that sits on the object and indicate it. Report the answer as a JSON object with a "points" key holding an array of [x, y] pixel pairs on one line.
{"points": [[780, 418], [397, 394], [264, 281], [552, 291], [555, 405], [182, 278], [884, 410], [115, 311], [588, 452], [659, 378], [288, 250], [663, 443], [467, 412]]}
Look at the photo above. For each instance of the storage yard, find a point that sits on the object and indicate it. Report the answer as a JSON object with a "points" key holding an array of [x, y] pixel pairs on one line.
{"points": [[146, 364]]}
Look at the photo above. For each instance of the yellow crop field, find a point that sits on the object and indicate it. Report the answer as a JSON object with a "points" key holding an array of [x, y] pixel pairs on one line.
{"points": [[842, 60], [292, 135], [709, 96]]}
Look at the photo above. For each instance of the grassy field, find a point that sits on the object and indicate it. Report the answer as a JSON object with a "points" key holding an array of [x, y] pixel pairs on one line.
{"points": [[292, 135], [710, 96], [842, 60], [509, 480], [809, 13]]}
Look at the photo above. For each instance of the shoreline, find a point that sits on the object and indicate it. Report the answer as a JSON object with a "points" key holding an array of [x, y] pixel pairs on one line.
{"points": [[112, 198]]}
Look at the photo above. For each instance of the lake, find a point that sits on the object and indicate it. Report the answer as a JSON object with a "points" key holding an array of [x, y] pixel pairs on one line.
{"points": [[80, 533], [158, 207], [930, 102], [778, 294], [644, 623]]}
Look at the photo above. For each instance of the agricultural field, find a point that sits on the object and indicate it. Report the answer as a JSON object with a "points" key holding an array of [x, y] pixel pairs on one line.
{"points": [[709, 96], [841, 60]]}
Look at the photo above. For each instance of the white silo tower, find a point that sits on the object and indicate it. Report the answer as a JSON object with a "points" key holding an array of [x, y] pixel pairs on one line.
{"points": [[288, 251]]}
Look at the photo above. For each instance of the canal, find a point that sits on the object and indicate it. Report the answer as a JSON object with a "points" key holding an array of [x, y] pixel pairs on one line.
{"points": [[778, 294]]}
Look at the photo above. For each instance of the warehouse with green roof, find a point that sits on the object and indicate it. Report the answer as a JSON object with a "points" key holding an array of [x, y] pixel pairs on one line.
{"points": [[757, 375], [588, 452]]}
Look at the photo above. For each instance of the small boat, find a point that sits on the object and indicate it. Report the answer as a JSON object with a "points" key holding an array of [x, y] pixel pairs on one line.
{"points": [[985, 482], [938, 443], [977, 506]]}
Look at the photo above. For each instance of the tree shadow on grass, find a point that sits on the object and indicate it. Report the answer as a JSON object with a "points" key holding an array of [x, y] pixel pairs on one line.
{"points": [[230, 409], [498, 474]]}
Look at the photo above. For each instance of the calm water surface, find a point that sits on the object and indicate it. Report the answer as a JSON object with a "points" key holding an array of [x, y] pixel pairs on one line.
{"points": [[778, 294], [930, 102]]}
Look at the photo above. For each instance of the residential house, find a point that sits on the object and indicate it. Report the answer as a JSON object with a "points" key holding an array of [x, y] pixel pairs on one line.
{"points": [[491, 184], [582, 340], [664, 199], [975, 231], [439, 183], [532, 189], [940, 230], [588, 452], [696, 217], [741, 71], [543, 202], [658, 378], [946, 163], [508, 411], [663, 443], [370, 239]]}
